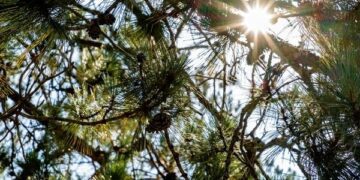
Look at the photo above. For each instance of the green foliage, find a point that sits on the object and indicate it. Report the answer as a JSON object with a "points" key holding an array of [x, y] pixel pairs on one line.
{"points": [[115, 170], [81, 81], [31, 167], [18, 16], [4, 160]]}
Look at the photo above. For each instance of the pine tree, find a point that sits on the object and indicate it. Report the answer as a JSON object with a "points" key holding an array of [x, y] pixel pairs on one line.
{"points": [[155, 89]]}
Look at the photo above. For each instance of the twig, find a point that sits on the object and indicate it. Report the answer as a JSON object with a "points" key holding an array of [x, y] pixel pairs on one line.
{"points": [[245, 114], [154, 163], [175, 155], [202, 99], [158, 160]]}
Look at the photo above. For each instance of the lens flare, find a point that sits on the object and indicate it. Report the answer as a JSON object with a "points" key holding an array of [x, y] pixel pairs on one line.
{"points": [[256, 19]]}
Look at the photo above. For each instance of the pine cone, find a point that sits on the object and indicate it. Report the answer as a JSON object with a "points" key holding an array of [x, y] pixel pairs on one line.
{"points": [[94, 30], [161, 121], [107, 19], [170, 176], [140, 57]]}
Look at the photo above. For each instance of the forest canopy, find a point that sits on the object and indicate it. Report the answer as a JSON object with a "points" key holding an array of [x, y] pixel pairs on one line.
{"points": [[179, 89]]}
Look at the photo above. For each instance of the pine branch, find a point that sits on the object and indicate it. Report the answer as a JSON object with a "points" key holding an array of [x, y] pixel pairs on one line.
{"points": [[43, 118], [154, 163], [295, 56], [158, 159], [202, 99], [245, 114], [175, 155], [58, 129]]}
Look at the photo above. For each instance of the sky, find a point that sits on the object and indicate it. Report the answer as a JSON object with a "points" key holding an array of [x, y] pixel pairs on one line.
{"points": [[282, 29]]}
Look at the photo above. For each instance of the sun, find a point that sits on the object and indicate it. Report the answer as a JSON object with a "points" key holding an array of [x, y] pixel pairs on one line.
{"points": [[256, 19]]}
